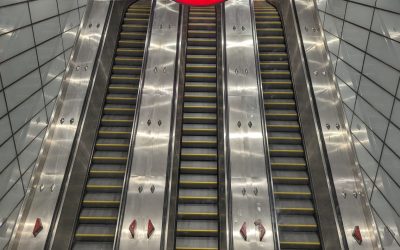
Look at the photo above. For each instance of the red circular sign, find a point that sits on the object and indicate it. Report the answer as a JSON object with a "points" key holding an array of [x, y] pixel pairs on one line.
{"points": [[199, 2]]}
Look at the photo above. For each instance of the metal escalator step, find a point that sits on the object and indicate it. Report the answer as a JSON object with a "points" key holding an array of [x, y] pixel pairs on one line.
{"points": [[201, 77], [107, 171], [199, 129], [98, 216], [274, 65], [192, 199], [122, 88], [200, 86], [124, 79], [122, 121], [196, 243], [138, 13], [120, 99], [129, 43], [201, 68], [277, 84], [124, 60], [286, 191], [284, 138], [199, 107], [283, 126], [199, 141], [281, 115], [210, 20], [273, 56], [280, 104], [200, 59], [110, 109], [134, 27], [112, 146], [129, 35], [202, 42], [88, 232], [202, 26], [270, 24], [109, 159], [200, 118], [197, 184], [202, 33], [201, 50], [101, 200], [129, 52], [286, 163], [133, 20], [126, 69], [275, 74], [196, 154], [286, 150], [299, 240], [299, 207], [120, 132], [84, 245], [272, 47], [198, 169], [199, 97]]}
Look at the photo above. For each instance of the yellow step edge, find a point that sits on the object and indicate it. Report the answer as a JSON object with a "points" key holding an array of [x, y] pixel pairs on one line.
{"points": [[200, 107], [198, 197], [303, 243], [292, 193], [111, 145], [211, 155], [113, 132], [290, 178], [204, 118], [197, 230], [284, 138], [195, 248], [199, 168], [98, 218], [199, 129], [201, 66], [196, 213], [287, 150], [124, 78], [283, 126], [110, 120], [269, 114], [282, 82], [127, 59], [278, 93], [288, 164], [207, 142], [298, 225], [103, 186], [199, 182], [101, 202], [126, 68], [94, 235], [131, 41], [130, 50], [276, 72], [203, 39], [297, 209], [200, 96], [118, 87], [120, 98], [279, 103], [275, 63], [107, 172], [120, 109]]}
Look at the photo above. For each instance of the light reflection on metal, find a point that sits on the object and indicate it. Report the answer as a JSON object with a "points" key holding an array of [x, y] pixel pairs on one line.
{"points": [[246, 143], [146, 183]]}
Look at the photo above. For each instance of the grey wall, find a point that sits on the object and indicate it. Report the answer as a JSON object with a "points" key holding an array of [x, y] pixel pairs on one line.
{"points": [[36, 38], [363, 37]]}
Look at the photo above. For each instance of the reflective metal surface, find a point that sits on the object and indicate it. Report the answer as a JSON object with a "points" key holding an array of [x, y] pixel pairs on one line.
{"points": [[331, 139], [249, 184], [45, 187], [148, 178]]}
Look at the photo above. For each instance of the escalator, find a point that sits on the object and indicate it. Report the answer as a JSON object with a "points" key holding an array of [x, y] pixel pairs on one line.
{"points": [[197, 213], [99, 208], [298, 228]]}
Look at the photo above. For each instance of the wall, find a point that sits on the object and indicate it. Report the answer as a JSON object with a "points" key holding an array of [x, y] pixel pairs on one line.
{"points": [[363, 37], [36, 38]]}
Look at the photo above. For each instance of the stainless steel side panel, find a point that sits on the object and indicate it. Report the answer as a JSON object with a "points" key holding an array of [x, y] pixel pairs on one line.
{"points": [[152, 144], [334, 141], [43, 192], [249, 183]]}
